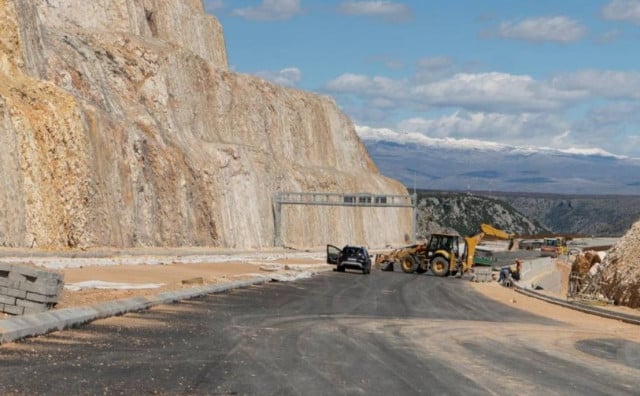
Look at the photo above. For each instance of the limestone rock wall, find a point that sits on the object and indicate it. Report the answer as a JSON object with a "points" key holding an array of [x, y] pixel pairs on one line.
{"points": [[123, 126], [618, 276]]}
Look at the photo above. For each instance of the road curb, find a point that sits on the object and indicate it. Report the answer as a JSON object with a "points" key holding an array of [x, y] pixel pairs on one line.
{"points": [[631, 319], [31, 325]]}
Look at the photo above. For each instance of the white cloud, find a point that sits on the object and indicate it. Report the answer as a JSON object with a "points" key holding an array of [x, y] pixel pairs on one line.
{"points": [[612, 114], [604, 83], [389, 135], [386, 10], [622, 10], [613, 126], [494, 92], [512, 128], [556, 28], [373, 87], [289, 77], [558, 112], [271, 10]]}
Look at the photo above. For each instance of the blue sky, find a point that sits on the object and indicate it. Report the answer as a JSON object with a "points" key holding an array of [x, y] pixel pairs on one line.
{"points": [[545, 73]]}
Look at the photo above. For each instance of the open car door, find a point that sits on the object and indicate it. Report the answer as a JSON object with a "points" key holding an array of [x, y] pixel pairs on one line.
{"points": [[333, 253]]}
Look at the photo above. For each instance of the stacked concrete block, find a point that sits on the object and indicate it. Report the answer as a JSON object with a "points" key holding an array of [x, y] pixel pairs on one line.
{"points": [[25, 290], [482, 273]]}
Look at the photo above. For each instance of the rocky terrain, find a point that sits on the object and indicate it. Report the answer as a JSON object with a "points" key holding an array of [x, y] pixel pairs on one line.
{"points": [[463, 213], [596, 215], [530, 213], [617, 277], [123, 126]]}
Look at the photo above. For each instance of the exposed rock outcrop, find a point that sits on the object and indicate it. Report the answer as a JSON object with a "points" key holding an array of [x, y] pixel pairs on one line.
{"points": [[123, 126], [464, 213], [618, 276]]}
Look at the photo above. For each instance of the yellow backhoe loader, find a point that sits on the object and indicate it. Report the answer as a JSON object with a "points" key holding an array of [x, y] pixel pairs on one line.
{"points": [[444, 254]]}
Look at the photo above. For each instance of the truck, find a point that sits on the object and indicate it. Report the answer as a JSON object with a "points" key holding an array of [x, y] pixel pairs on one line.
{"points": [[553, 247]]}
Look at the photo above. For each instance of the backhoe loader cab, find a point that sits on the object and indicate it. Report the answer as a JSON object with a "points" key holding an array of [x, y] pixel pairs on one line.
{"points": [[444, 242], [443, 254]]}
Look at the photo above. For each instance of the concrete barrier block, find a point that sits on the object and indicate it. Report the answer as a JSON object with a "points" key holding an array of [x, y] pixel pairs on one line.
{"points": [[7, 291], [482, 274], [32, 289], [43, 299], [26, 303], [50, 289], [13, 309], [4, 299], [10, 283]]}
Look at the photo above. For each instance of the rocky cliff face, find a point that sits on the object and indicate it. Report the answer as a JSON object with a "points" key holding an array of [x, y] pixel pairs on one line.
{"points": [[123, 126], [618, 276]]}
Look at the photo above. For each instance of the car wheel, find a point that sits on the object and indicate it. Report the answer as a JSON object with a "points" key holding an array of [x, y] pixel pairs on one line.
{"points": [[340, 269]]}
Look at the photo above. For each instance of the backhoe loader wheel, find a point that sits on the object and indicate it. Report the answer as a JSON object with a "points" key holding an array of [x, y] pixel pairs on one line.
{"points": [[440, 266], [408, 264]]}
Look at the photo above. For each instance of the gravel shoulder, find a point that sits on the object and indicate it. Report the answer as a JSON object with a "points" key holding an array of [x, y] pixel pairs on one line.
{"points": [[170, 270]]}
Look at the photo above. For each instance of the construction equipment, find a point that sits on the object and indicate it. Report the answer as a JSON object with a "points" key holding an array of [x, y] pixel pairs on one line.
{"points": [[554, 247], [445, 254]]}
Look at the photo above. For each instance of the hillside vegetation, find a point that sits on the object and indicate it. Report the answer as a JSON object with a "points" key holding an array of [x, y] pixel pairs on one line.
{"points": [[595, 215], [463, 213], [526, 213]]}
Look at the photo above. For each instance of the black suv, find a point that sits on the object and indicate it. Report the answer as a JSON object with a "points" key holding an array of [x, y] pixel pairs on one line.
{"points": [[352, 257]]}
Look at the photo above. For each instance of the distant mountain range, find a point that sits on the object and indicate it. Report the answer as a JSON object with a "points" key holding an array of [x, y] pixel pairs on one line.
{"points": [[469, 165]]}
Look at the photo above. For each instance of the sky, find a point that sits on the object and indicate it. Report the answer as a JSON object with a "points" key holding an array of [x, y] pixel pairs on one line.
{"points": [[561, 74]]}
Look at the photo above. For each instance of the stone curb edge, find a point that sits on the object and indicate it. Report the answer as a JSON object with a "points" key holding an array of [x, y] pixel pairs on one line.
{"points": [[19, 327], [631, 319]]}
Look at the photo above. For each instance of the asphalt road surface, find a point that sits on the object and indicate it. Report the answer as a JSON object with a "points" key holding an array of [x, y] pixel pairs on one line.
{"points": [[334, 334]]}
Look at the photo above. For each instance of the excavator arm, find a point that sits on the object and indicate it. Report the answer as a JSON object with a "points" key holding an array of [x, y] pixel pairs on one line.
{"points": [[491, 230], [473, 241]]}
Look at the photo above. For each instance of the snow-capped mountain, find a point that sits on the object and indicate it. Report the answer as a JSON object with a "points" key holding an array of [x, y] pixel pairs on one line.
{"points": [[450, 164]]}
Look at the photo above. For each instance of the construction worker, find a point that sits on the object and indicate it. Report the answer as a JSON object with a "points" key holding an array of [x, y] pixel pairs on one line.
{"points": [[511, 272]]}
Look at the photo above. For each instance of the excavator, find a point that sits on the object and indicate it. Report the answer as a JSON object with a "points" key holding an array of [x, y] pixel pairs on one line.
{"points": [[444, 254]]}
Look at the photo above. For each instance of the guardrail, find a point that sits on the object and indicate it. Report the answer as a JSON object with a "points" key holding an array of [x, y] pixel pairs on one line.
{"points": [[345, 199], [341, 199]]}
